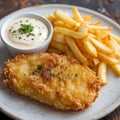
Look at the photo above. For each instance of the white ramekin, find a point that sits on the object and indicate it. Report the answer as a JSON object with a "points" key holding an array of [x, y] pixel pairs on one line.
{"points": [[13, 50]]}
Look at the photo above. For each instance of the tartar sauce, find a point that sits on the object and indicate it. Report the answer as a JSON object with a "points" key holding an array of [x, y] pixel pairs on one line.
{"points": [[26, 32]]}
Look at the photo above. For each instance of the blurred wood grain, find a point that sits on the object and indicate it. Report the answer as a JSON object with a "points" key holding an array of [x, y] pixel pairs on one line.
{"points": [[110, 8]]}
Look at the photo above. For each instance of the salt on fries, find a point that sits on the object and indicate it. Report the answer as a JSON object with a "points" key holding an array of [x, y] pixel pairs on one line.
{"points": [[90, 42]]}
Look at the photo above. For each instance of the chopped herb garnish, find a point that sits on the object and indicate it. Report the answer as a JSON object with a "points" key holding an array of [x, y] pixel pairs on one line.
{"points": [[20, 38], [26, 29], [40, 33], [34, 72], [10, 30], [76, 75], [30, 34], [39, 67], [53, 75], [32, 39], [14, 31]]}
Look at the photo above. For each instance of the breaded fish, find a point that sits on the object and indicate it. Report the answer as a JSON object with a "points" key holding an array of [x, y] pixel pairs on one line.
{"points": [[57, 80]]}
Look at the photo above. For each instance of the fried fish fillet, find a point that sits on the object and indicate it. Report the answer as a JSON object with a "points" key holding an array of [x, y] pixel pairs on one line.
{"points": [[57, 80]]}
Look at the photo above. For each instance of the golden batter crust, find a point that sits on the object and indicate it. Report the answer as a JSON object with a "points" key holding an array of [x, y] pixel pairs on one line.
{"points": [[57, 80]]}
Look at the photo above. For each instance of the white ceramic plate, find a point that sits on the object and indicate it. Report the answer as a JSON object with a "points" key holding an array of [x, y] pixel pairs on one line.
{"points": [[20, 107]]}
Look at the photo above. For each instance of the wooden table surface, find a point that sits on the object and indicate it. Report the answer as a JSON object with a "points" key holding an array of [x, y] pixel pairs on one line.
{"points": [[110, 8]]}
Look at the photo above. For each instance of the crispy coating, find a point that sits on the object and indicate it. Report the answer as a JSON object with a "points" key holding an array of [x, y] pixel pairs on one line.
{"points": [[57, 80]]}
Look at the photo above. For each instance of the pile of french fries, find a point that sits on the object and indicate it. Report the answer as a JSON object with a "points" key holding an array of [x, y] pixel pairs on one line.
{"points": [[91, 43]]}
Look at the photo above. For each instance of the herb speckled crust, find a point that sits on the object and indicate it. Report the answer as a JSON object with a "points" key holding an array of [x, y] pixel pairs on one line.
{"points": [[62, 82]]}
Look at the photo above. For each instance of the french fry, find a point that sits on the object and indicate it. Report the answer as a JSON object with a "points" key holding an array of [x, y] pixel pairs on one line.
{"points": [[83, 30], [69, 52], [104, 35], [74, 48], [96, 23], [108, 43], [101, 47], [61, 48], [108, 59], [91, 35], [115, 37], [90, 49], [116, 46], [102, 69], [50, 17], [91, 31], [99, 27], [98, 35], [87, 17], [116, 68], [58, 45], [65, 18], [80, 45], [92, 60], [77, 15], [70, 33], [59, 23], [59, 37]]}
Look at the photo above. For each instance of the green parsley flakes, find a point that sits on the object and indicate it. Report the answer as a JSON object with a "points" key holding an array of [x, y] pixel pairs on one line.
{"points": [[26, 28], [39, 67]]}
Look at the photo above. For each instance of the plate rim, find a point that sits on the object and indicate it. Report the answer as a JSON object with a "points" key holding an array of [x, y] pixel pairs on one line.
{"points": [[109, 109]]}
